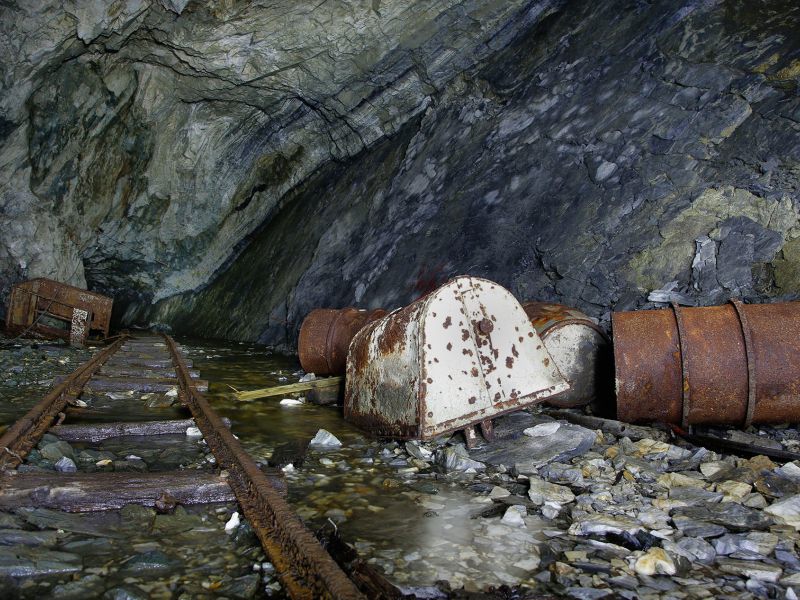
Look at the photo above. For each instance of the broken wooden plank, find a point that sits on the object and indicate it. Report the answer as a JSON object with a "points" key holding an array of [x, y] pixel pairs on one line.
{"points": [[278, 390], [103, 431], [125, 411], [88, 492]]}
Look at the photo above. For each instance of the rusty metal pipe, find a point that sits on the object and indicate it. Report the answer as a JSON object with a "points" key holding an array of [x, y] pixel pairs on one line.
{"points": [[325, 336], [580, 349], [735, 364]]}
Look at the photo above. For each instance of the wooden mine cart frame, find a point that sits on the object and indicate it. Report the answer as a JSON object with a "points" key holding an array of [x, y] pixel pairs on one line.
{"points": [[32, 303]]}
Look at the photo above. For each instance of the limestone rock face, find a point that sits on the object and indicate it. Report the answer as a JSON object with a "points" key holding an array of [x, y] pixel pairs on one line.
{"points": [[224, 167]]}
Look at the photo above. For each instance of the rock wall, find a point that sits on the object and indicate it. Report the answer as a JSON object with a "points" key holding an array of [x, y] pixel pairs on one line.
{"points": [[224, 168]]}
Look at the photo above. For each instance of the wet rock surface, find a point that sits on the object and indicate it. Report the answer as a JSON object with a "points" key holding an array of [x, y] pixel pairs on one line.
{"points": [[633, 518], [643, 518], [398, 145], [662, 148], [170, 551], [131, 553]]}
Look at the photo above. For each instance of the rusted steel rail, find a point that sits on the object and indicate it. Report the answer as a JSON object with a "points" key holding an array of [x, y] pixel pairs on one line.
{"points": [[18, 440], [305, 569]]}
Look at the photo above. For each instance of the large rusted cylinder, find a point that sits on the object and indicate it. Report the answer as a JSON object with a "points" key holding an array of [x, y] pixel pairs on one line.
{"points": [[579, 348], [326, 334], [734, 364]]}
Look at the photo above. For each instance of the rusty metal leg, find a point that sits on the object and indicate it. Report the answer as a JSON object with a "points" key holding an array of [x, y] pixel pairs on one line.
{"points": [[487, 430], [471, 436]]}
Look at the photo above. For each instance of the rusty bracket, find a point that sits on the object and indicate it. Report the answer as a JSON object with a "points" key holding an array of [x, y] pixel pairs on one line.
{"points": [[471, 433], [304, 568], [487, 430], [27, 431]]}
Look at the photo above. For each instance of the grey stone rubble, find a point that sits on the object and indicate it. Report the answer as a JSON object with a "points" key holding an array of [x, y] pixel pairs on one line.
{"points": [[171, 551], [635, 519]]}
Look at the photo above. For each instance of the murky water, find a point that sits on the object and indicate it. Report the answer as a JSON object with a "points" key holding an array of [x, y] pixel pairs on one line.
{"points": [[407, 517], [417, 524], [26, 373]]}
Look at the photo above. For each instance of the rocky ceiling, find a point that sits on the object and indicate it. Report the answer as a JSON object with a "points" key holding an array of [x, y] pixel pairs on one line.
{"points": [[223, 167]]}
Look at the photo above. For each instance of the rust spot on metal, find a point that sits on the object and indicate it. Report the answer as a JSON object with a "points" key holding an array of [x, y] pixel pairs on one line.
{"points": [[429, 380], [467, 352], [447, 322], [473, 400], [393, 337], [514, 351], [497, 396], [474, 372], [509, 362], [464, 335], [485, 326], [546, 362], [449, 346]]}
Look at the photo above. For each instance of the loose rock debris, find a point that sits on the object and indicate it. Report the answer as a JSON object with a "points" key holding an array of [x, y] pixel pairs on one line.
{"points": [[613, 516]]}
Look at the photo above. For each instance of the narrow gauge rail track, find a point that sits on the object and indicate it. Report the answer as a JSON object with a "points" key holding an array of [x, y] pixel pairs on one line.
{"points": [[148, 364]]}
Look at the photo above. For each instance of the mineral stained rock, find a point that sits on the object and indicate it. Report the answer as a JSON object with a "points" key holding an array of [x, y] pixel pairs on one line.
{"points": [[224, 167]]}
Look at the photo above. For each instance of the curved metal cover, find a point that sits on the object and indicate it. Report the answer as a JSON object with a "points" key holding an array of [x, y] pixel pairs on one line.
{"points": [[460, 355]]}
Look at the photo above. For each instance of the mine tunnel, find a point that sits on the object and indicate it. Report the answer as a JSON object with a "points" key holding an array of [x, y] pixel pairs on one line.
{"points": [[389, 299]]}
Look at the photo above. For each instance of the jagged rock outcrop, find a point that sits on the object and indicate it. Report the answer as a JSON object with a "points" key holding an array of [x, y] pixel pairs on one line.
{"points": [[225, 168], [141, 141]]}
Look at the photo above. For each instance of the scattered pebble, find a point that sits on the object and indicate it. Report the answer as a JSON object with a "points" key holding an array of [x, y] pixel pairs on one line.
{"points": [[325, 439], [291, 402], [232, 523]]}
